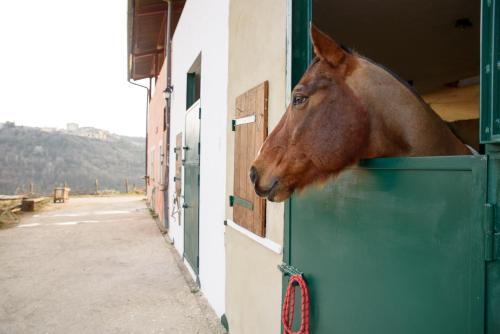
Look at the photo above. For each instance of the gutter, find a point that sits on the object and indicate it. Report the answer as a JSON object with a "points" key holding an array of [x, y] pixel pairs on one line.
{"points": [[168, 72], [148, 98], [130, 21]]}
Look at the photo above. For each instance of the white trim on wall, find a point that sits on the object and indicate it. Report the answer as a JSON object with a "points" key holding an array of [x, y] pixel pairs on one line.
{"points": [[269, 244]]}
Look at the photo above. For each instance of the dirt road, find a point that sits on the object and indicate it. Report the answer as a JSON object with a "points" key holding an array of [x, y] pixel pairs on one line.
{"points": [[95, 265]]}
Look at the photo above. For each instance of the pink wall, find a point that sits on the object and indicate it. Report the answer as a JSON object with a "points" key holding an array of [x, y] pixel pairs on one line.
{"points": [[156, 137]]}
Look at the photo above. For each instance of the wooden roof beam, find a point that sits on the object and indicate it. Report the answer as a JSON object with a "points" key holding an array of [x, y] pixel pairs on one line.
{"points": [[147, 53], [160, 40], [157, 12], [151, 10]]}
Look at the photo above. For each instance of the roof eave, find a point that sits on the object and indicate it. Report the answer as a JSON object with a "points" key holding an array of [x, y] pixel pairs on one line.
{"points": [[130, 22]]}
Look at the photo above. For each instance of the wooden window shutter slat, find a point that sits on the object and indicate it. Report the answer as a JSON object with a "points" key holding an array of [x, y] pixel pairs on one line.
{"points": [[249, 210]]}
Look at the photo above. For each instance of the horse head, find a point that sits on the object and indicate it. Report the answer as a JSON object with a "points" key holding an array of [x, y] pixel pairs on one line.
{"points": [[341, 111]]}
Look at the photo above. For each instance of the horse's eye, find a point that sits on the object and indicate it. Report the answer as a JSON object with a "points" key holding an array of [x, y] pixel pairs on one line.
{"points": [[299, 99]]}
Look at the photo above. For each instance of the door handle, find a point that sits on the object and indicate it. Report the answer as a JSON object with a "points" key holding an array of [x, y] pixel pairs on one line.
{"points": [[185, 206], [185, 148]]}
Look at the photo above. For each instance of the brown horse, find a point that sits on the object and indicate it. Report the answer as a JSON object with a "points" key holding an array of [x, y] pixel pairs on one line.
{"points": [[344, 109]]}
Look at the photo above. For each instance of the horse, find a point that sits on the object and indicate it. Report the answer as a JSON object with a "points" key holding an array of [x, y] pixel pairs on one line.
{"points": [[345, 108]]}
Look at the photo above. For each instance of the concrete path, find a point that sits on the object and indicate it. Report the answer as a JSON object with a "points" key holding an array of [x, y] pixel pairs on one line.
{"points": [[95, 265]]}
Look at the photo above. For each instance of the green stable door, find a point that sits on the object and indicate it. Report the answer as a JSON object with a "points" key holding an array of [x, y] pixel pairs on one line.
{"points": [[192, 186], [394, 246], [403, 245]]}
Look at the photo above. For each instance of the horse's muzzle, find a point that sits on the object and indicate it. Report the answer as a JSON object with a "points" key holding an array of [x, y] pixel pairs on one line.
{"points": [[253, 174], [262, 191], [269, 192]]}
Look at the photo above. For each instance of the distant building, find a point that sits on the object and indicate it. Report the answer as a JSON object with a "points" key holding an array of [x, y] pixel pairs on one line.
{"points": [[72, 127], [88, 132], [46, 129], [93, 133]]}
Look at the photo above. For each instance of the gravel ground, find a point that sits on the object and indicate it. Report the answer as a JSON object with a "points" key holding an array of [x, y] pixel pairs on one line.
{"points": [[96, 265]]}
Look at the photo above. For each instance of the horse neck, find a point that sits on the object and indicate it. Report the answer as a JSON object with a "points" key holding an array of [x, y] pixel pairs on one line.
{"points": [[401, 123]]}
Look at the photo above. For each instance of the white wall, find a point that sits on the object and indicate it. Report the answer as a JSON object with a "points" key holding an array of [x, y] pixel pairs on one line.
{"points": [[203, 28]]}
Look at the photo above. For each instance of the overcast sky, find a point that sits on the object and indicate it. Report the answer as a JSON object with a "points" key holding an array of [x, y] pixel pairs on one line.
{"points": [[65, 61]]}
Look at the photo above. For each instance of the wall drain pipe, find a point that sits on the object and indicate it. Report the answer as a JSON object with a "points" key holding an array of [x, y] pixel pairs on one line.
{"points": [[168, 87], [148, 98]]}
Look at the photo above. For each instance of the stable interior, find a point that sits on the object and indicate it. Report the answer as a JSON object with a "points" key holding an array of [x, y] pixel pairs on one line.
{"points": [[433, 45]]}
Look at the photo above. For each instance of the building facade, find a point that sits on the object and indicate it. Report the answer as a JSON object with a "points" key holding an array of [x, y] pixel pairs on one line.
{"points": [[229, 70], [210, 67], [199, 54], [257, 53]]}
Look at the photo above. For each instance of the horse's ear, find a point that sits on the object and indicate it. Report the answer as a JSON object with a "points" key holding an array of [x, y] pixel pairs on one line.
{"points": [[326, 48]]}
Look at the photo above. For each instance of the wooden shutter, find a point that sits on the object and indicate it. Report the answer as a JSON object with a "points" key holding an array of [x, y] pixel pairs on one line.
{"points": [[250, 128], [178, 164]]}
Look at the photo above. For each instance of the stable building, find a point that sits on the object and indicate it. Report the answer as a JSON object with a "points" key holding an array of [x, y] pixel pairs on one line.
{"points": [[186, 128], [406, 245]]}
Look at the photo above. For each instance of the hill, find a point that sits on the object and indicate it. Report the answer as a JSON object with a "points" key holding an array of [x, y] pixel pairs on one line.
{"points": [[53, 158]]}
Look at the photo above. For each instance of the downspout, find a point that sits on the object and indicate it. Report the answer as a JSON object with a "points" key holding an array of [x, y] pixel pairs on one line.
{"points": [[168, 72], [148, 98], [130, 15]]}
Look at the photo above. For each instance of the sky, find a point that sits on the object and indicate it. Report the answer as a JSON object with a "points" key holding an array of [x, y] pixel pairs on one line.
{"points": [[66, 62]]}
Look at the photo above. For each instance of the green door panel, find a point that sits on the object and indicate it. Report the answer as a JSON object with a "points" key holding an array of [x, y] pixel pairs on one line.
{"points": [[191, 225], [493, 267], [191, 186], [394, 246], [191, 148], [301, 47], [490, 71]]}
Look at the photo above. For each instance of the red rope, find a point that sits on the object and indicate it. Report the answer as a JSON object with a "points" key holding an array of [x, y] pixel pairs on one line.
{"points": [[289, 306]]}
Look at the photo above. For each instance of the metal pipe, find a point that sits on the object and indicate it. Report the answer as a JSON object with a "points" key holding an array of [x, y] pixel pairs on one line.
{"points": [[168, 79], [168, 41], [131, 14], [148, 98]]}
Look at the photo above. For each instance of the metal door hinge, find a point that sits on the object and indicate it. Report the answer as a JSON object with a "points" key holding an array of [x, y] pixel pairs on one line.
{"points": [[235, 200], [287, 269], [491, 237], [199, 113], [242, 121]]}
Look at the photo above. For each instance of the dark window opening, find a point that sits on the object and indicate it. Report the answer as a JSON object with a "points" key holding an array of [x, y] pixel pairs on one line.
{"points": [[193, 83], [433, 46]]}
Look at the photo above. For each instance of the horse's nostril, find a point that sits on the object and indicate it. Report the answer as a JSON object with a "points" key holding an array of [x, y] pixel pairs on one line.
{"points": [[253, 174]]}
